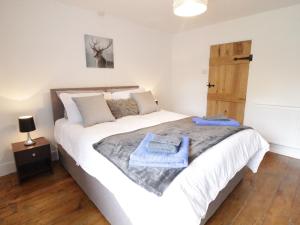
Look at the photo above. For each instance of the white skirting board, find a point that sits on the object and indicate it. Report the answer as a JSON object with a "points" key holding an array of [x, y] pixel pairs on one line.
{"points": [[286, 151]]}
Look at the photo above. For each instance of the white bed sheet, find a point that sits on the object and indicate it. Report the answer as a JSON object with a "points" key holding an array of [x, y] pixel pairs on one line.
{"points": [[187, 198]]}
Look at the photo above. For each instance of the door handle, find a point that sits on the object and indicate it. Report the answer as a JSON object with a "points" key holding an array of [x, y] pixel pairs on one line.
{"points": [[250, 58], [210, 85]]}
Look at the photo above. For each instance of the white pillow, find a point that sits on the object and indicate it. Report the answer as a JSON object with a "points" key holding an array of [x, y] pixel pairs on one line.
{"points": [[125, 94], [71, 109], [107, 95]]}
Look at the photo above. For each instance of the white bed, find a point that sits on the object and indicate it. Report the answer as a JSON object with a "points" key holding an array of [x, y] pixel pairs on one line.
{"points": [[194, 188]]}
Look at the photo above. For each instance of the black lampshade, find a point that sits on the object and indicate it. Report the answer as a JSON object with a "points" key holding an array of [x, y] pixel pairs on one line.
{"points": [[26, 124]]}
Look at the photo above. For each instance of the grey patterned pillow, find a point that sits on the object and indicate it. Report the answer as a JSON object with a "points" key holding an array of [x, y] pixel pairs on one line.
{"points": [[123, 107]]}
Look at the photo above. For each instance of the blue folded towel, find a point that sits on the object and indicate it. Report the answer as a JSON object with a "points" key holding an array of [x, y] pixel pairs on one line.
{"points": [[204, 122], [216, 118], [142, 157]]}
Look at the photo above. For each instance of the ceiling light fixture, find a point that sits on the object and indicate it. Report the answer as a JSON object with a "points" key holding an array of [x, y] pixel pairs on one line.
{"points": [[189, 8]]}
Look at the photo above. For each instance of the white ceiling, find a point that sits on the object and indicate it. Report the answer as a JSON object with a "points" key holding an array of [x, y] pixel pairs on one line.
{"points": [[158, 14]]}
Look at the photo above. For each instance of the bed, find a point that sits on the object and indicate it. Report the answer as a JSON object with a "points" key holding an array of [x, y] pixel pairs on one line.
{"points": [[191, 198]]}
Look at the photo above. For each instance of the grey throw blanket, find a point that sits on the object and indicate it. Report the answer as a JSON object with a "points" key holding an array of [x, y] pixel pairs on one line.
{"points": [[117, 148]]}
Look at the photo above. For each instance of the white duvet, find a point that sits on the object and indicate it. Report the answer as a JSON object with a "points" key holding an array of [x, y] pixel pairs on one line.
{"points": [[187, 198]]}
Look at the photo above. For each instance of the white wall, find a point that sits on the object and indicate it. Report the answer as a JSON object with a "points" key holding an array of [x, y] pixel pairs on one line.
{"points": [[42, 47], [273, 98]]}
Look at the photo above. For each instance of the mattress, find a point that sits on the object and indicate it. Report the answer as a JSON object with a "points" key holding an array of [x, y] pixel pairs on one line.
{"points": [[187, 198]]}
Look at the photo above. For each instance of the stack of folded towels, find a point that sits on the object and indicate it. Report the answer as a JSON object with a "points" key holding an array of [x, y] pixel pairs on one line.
{"points": [[169, 151], [215, 121]]}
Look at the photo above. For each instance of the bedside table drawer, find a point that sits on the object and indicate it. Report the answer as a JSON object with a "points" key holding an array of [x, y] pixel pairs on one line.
{"points": [[32, 155]]}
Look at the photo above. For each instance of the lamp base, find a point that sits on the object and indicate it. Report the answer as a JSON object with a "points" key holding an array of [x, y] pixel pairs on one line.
{"points": [[29, 141]]}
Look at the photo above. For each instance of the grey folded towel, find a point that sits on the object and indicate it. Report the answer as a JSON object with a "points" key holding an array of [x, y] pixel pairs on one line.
{"points": [[156, 147], [167, 139], [164, 144]]}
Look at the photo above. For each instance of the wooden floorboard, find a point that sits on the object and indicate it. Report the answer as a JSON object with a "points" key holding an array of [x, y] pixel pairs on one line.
{"points": [[270, 197]]}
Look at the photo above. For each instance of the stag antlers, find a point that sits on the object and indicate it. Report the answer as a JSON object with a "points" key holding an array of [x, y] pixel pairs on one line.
{"points": [[94, 43]]}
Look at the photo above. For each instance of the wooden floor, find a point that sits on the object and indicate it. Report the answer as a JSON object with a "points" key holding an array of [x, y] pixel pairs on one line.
{"points": [[271, 197]]}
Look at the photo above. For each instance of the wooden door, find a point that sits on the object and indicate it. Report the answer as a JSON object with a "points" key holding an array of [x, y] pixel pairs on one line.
{"points": [[228, 78]]}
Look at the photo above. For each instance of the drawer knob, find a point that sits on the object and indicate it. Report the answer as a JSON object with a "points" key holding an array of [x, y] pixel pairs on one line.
{"points": [[33, 155]]}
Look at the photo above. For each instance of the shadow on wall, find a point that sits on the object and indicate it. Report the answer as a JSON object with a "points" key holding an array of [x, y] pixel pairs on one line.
{"points": [[37, 105]]}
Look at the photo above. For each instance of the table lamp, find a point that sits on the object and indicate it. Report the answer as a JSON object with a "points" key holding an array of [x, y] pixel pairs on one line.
{"points": [[26, 124]]}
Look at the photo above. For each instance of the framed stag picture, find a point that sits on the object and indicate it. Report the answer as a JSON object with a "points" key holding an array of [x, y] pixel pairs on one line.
{"points": [[99, 52]]}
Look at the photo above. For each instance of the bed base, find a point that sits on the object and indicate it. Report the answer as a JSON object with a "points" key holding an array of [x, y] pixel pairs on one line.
{"points": [[107, 203]]}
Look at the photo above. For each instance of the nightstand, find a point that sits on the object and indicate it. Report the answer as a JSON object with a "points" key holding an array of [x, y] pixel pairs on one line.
{"points": [[32, 160]]}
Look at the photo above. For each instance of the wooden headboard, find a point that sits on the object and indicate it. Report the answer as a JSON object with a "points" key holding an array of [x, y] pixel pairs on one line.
{"points": [[58, 107]]}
